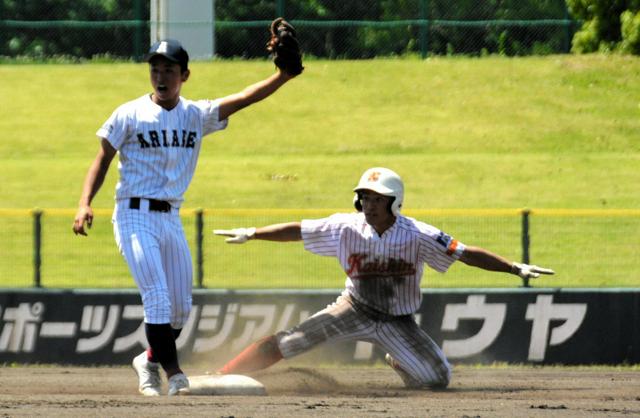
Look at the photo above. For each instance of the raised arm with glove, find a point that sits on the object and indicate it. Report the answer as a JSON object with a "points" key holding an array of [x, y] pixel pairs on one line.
{"points": [[284, 47]]}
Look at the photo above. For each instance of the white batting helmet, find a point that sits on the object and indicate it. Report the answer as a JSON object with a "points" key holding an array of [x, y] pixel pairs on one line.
{"points": [[384, 181]]}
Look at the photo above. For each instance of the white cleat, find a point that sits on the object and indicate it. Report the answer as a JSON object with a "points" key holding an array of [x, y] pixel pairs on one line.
{"points": [[408, 380], [178, 385], [149, 381]]}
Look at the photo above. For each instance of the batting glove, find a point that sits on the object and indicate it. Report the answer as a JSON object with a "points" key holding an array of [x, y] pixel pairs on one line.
{"points": [[238, 235], [527, 271]]}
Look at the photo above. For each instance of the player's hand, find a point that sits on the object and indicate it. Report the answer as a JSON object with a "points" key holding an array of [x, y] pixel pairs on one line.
{"points": [[84, 214], [237, 236], [527, 271]]}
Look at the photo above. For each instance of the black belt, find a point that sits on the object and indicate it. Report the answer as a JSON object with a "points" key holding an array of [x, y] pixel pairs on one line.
{"points": [[154, 205]]}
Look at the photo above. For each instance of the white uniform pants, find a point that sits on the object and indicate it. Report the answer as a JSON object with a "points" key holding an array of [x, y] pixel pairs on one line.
{"points": [[401, 337], [156, 250]]}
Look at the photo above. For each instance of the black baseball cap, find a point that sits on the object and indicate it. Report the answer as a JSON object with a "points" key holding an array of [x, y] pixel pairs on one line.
{"points": [[171, 50]]}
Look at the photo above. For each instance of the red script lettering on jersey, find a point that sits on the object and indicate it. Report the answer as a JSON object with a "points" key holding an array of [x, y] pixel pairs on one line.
{"points": [[359, 267]]}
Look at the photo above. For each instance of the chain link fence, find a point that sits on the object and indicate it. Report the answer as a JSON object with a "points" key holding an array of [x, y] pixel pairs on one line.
{"points": [[582, 246], [92, 29]]}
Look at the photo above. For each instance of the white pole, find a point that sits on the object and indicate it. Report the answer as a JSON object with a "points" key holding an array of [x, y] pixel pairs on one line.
{"points": [[189, 21]]}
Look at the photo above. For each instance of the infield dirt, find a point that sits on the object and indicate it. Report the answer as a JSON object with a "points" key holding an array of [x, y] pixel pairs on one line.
{"points": [[337, 392]]}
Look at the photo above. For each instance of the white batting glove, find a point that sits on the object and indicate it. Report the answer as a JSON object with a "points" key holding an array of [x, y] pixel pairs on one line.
{"points": [[527, 271], [238, 235]]}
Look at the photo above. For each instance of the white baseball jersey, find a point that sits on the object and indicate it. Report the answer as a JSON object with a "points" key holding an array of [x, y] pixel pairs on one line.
{"points": [[383, 272], [159, 148], [382, 291], [158, 154]]}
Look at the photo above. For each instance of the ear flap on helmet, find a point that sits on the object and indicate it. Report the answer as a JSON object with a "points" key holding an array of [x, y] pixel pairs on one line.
{"points": [[356, 202], [391, 208]]}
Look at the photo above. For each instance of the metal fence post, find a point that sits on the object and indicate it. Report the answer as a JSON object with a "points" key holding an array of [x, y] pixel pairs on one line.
{"points": [[280, 8], [37, 246], [568, 35], [3, 42], [199, 252], [526, 241], [424, 28], [138, 48]]}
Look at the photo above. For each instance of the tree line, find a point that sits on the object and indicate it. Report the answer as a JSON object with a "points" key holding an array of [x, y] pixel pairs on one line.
{"points": [[85, 29]]}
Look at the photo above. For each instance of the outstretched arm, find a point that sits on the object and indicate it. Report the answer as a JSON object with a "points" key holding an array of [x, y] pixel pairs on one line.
{"points": [[285, 51], [486, 260], [290, 231], [252, 94], [481, 258], [92, 183]]}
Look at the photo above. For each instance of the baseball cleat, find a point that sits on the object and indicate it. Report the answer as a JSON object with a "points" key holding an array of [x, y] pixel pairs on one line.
{"points": [[178, 385], [149, 381], [408, 380]]}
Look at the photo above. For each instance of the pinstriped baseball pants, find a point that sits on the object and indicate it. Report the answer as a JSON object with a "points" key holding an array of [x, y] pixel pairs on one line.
{"points": [[401, 337], [156, 250]]}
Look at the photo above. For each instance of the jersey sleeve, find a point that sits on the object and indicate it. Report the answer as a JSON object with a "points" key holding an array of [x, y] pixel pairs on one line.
{"points": [[115, 129], [210, 114], [322, 236], [437, 249]]}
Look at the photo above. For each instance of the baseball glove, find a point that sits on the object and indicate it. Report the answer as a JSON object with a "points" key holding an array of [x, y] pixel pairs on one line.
{"points": [[284, 47]]}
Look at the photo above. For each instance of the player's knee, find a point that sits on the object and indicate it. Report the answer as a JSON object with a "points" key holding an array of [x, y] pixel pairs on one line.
{"points": [[436, 377], [443, 377], [442, 383]]}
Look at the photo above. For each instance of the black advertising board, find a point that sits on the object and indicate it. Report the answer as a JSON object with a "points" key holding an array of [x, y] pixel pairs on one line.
{"points": [[540, 326]]}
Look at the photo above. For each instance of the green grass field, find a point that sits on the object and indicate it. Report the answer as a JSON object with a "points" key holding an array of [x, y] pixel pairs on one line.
{"points": [[539, 132]]}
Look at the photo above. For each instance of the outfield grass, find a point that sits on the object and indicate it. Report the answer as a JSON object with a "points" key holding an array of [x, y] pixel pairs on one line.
{"points": [[539, 132]]}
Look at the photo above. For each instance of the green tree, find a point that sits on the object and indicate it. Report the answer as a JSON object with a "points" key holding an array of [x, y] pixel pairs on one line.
{"points": [[608, 25], [54, 39], [630, 27]]}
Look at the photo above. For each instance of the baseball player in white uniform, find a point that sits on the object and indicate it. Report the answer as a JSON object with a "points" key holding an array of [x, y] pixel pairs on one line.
{"points": [[383, 254], [158, 137]]}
